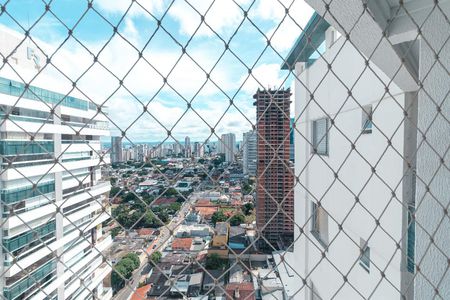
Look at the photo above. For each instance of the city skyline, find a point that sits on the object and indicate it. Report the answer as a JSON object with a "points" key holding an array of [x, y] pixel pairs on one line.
{"points": [[125, 101]]}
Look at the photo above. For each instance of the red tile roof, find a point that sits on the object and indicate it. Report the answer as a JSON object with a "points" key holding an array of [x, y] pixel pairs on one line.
{"points": [[141, 293], [182, 244], [240, 291], [145, 231], [205, 211]]}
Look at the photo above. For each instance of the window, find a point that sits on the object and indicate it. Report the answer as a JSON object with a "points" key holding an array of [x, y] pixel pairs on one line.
{"points": [[320, 136], [366, 119], [364, 260], [319, 224]]}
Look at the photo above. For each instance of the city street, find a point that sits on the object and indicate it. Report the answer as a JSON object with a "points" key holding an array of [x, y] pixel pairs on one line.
{"points": [[157, 245]]}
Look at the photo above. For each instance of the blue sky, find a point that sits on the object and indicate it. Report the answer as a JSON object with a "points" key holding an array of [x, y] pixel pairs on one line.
{"points": [[161, 46]]}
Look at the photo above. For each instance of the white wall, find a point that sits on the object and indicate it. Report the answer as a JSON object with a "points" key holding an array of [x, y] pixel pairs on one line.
{"points": [[338, 198], [433, 259]]}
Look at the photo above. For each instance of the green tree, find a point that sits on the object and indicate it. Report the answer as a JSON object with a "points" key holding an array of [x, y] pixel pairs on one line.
{"points": [[247, 208], [247, 189], [155, 257], [237, 220], [174, 206], [115, 191], [115, 231], [214, 262], [117, 277], [218, 216], [129, 197], [135, 259], [149, 220], [163, 216], [129, 265], [171, 192]]}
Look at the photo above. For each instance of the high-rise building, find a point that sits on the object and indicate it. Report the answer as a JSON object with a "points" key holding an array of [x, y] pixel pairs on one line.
{"points": [[187, 147], [275, 179], [362, 223], [140, 152], [53, 199], [198, 149], [228, 146], [176, 147], [116, 149], [249, 153]]}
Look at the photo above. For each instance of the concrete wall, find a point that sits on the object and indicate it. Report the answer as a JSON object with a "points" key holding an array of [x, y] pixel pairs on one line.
{"points": [[431, 171], [318, 182]]}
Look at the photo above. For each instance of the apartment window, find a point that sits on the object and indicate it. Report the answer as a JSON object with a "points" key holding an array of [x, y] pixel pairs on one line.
{"points": [[366, 119], [364, 260], [320, 136], [319, 224]]}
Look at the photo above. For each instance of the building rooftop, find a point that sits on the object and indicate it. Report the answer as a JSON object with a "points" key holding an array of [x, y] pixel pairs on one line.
{"points": [[149, 182], [141, 293], [206, 212], [145, 231], [182, 244], [221, 228], [196, 278], [164, 201], [238, 291], [211, 275]]}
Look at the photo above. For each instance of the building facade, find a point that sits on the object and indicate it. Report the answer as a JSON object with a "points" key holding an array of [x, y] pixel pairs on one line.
{"points": [[228, 146], [116, 149], [361, 221], [275, 180], [249, 153], [53, 198], [199, 149], [407, 41], [187, 147]]}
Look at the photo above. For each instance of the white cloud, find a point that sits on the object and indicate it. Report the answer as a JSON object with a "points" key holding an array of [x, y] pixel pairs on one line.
{"points": [[289, 26], [223, 15], [189, 123], [263, 77], [185, 76], [121, 6]]}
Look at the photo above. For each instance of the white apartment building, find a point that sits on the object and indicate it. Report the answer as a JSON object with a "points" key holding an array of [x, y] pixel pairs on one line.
{"points": [[249, 152], [53, 199], [353, 153], [187, 147]]}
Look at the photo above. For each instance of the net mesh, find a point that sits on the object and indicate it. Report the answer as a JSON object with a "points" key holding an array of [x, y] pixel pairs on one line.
{"points": [[340, 191]]}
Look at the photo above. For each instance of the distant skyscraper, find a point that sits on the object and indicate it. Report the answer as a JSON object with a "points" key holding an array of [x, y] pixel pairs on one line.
{"points": [[249, 152], [176, 147], [140, 152], [228, 146], [198, 149], [116, 149], [187, 147], [275, 178]]}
